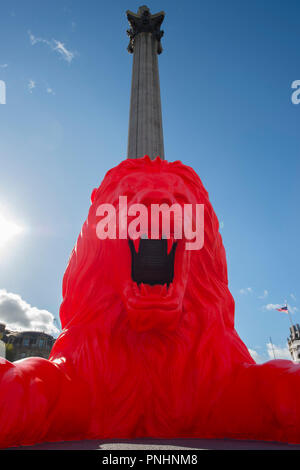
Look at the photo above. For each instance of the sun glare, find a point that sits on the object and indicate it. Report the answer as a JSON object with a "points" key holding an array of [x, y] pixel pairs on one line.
{"points": [[8, 229]]}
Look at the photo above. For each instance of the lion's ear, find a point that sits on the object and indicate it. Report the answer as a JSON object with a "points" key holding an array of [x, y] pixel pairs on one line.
{"points": [[93, 195]]}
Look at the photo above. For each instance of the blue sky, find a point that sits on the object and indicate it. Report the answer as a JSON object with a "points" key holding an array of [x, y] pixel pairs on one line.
{"points": [[226, 74]]}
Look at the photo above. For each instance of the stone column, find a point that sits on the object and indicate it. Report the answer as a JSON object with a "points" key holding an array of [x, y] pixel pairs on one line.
{"points": [[145, 136]]}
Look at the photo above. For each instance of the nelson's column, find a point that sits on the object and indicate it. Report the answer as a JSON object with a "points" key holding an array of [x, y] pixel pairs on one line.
{"points": [[145, 136]]}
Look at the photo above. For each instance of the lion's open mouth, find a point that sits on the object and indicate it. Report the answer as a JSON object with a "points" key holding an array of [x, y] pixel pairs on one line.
{"points": [[153, 295], [152, 261]]}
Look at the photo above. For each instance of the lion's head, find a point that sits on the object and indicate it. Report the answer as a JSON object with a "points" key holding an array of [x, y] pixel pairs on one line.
{"points": [[155, 285]]}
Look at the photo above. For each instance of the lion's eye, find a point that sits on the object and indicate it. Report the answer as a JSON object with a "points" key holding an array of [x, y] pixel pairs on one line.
{"points": [[129, 194], [180, 198]]}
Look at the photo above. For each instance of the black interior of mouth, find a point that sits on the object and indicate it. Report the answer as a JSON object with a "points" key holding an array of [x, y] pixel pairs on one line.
{"points": [[152, 264]]}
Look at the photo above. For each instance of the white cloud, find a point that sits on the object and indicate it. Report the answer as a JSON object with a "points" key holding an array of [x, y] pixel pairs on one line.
{"points": [[280, 353], [31, 85], [246, 290], [272, 306], [256, 356], [63, 51], [293, 297], [50, 91], [33, 39], [3, 66], [275, 306], [265, 294], [18, 314], [292, 309], [55, 45]]}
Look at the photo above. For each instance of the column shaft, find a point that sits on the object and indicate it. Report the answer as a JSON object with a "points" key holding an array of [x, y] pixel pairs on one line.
{"points": [[145, 136]]}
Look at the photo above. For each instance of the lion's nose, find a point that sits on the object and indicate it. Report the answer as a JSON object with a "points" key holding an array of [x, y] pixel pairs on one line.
{"points": [[156, 197]]}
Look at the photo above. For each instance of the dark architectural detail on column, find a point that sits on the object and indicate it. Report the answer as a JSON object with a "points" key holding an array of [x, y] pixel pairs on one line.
{"points": [[144, 22]]}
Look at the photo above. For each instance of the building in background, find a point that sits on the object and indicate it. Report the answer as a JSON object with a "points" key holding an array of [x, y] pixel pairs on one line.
{"points": [[21, 344], [2, 349], [294, 342]]}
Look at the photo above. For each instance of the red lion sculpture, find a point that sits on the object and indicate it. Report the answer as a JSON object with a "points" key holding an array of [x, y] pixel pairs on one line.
{"points": [[149, 361]]}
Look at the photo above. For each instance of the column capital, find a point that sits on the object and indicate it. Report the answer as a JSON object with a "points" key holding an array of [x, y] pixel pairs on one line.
{"points": [[144, 22]]}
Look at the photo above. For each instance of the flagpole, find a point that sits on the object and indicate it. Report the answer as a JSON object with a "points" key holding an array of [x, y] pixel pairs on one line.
{"points": [[272, 347], [289, 313]]}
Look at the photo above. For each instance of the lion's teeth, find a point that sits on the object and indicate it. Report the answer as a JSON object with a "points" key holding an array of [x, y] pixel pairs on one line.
{"points": [[135, 287], [157, 289], [136, 244], [170, 243], [143, 289]]}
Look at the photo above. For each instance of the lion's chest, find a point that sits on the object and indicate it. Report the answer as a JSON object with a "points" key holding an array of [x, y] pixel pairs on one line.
{"points": [[145, 392]]}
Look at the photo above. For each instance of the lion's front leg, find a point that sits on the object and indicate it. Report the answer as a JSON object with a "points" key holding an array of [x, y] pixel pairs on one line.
{"points": [[261, 402], [39, 401]]}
